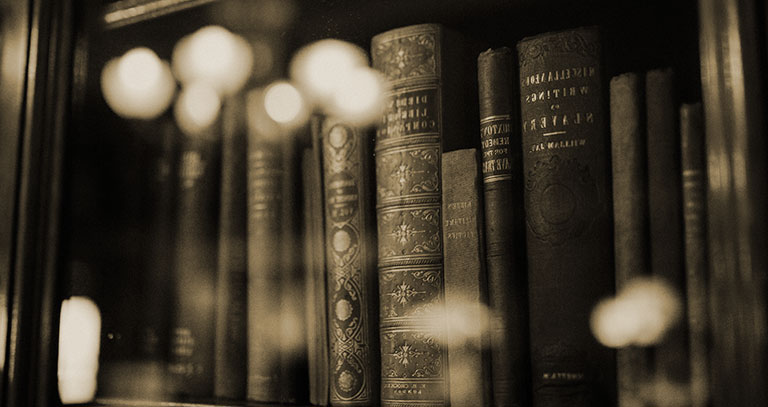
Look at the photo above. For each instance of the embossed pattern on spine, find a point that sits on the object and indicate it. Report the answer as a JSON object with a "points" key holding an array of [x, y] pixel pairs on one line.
{"points": [[568, 216], [408, 199], [504, 227], [351, 265], [265, 197]]}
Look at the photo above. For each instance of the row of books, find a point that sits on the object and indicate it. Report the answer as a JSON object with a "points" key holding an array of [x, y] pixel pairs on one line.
{"points": [[426, 264]]}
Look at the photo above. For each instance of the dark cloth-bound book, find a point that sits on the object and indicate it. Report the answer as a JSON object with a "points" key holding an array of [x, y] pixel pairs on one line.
{"points": [[264, 245], [504, 226], [230, 376], [314, 261], [466, 293], [352, 293], [429, 71], [566, 160], [630, 213], [694, 226], [192, 344], [665, 212]]}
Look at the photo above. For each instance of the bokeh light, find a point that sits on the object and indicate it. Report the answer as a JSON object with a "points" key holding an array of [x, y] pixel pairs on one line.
{"points": [[284, 103], [215, 56], [138, 85], [323, 66], [641, 314], [79, 341], [359, 100], [196, 108]]}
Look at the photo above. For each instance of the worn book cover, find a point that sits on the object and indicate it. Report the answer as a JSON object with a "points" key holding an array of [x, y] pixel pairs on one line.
{"points": [[428, 72], [566, 162], [466, 293], [504, 226], [350, 236]]}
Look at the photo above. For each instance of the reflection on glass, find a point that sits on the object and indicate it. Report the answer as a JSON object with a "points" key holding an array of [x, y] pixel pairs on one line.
{"points": [[215, 56], [322, 67], [79, 340], [359, 99], [641, 314], [283, 103], [138, 85], [197, 108]]}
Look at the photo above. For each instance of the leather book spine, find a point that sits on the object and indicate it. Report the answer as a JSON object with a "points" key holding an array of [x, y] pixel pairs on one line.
{"points": [[630, 213], [694, 215], [665, 208], [568, 215], [416, 125], [231, 284], [504, 227], [265, 198], [350, 237], [192, 347], [294, 373], [465, 280], [314, 248]]}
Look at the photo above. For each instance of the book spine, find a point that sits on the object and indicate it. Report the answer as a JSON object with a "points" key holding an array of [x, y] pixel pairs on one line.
{"points": [[231, 285], [694, 215], [351, 264], [410, 256], [192, 347], [630, 212], [568, 216], [294, 373], [504, 227], [265, 197], [314, 247], [465, 279], [665, 212]]}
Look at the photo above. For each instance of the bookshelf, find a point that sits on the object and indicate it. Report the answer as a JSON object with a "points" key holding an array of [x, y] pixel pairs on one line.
{"points": [[74, 174]]}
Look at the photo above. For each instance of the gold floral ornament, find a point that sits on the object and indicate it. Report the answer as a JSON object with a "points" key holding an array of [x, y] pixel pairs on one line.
{"points": [[404, 352], [403, 293]]}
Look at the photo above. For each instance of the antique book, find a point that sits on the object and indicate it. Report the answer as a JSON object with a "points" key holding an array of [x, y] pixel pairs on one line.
{"points": [[192, 344], [264, 254], [427, 70], [294, 373], [694, 225], [665, 212], [568, 215], [230, 377], [630, 214], [466, 292], [350, 238], [504, 226], [314, 260]]}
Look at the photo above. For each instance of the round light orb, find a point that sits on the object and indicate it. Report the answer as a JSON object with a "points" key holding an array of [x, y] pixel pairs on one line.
{"points": [[140, 68], [196, 108], [641, 314], [359, 100], [138, 85], [321, 67], [213, 55], [284, 103]]}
